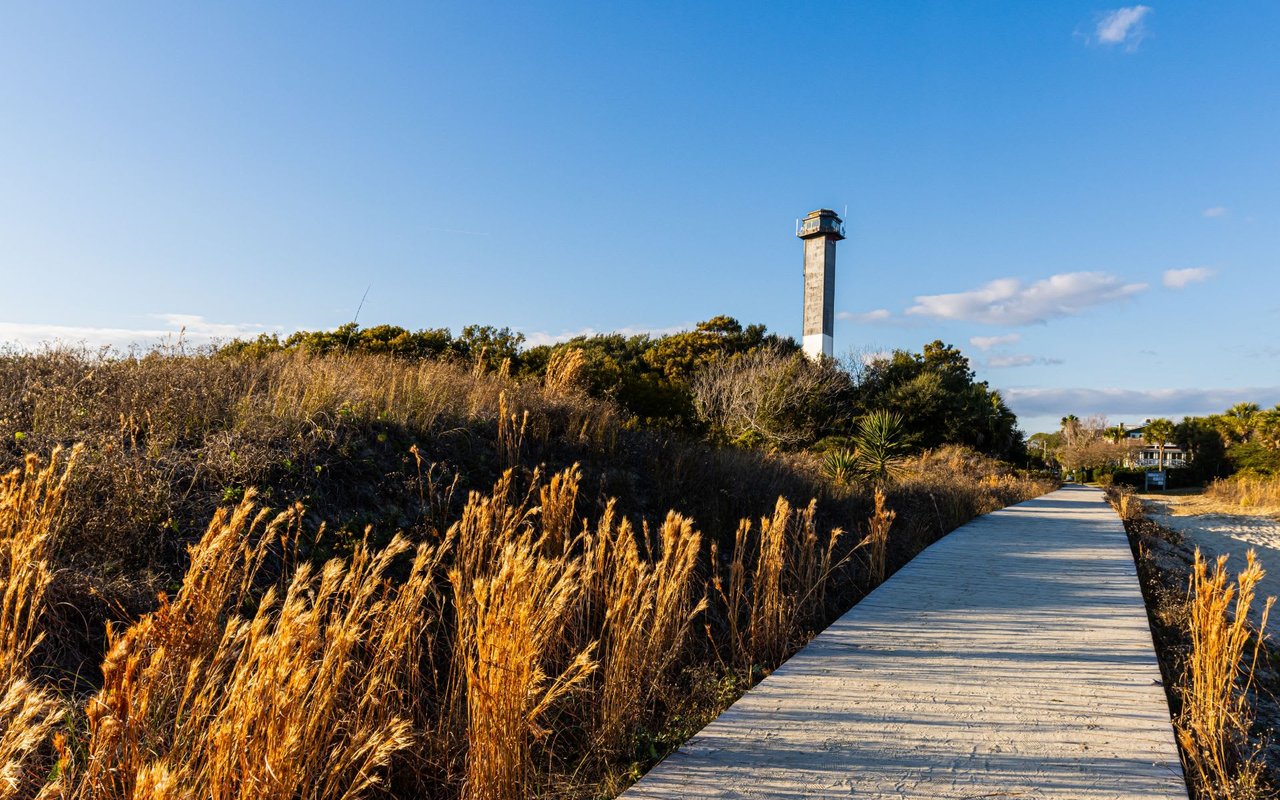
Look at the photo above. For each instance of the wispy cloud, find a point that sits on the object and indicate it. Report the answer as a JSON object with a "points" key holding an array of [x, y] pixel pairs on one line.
{"points": [[1216, 211], [1009, 301], [872, 356], [1020, 360], [1122, 27], [194, 330], [1178, 278], [539, 338], [875, 315], [1134, 402], [987, 342]]}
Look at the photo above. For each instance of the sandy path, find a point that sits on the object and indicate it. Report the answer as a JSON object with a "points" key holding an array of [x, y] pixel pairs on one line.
{"points": [[1216, 534]]}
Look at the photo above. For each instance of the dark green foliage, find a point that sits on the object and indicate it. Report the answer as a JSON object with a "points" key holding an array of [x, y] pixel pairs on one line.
{"points": [[1204, 447], [649, 376], [1245, 438], [1177, 478], [940, 402], [493, 345], [881, 444], [1254, 457], [652, 378]]}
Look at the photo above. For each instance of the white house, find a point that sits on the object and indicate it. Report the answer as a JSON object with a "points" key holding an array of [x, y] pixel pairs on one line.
{"points": [[1146, 454]]}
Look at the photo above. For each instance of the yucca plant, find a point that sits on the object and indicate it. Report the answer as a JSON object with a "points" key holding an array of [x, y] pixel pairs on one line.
{"points": [[841, 466], [882, 445]]}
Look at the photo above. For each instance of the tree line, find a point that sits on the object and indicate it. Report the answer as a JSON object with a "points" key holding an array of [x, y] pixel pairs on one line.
{"points": [[1243, 439], [734, 384]]}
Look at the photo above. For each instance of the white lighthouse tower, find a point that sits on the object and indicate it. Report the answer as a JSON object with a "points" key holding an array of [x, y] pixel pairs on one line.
{"points": [[820, 231]]}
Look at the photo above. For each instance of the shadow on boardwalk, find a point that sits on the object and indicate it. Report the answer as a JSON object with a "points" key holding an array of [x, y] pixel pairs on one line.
{"points": [[1010, 659]]}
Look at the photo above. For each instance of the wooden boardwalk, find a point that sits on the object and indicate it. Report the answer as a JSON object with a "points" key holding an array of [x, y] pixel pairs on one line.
{"points": [[1012, 659]]}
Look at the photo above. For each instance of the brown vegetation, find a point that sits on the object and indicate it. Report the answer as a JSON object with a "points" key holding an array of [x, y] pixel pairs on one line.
{"points": [[527, 638], [1210, 654], [1246, 492], [31, 503], [1217, 716]]}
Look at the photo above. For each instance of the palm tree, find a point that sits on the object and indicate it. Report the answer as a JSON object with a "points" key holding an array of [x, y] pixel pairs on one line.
{"points": [[1158, 432], [1239, 420]]}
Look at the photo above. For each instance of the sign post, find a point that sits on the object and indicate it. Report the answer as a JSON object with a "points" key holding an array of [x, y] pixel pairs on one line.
{"points": [[1156, 479]]}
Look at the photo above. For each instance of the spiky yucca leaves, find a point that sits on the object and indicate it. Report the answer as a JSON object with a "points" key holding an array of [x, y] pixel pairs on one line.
{"points": [[1217, 713], [649, 607], [307, 697], [882, 445], [31, 503], [842, 466]]}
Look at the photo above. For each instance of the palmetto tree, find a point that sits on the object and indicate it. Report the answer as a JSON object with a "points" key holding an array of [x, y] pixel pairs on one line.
{"points": [[1158, 432]]}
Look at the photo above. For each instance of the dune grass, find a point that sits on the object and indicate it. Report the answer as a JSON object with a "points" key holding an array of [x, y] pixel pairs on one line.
{"points": [[1245, 492], [1210, 652], [528, 637], [1215, 726]]}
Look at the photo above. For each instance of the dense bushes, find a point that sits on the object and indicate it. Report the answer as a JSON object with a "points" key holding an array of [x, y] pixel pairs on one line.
{"points": [[1136, 478], [738, 384]]}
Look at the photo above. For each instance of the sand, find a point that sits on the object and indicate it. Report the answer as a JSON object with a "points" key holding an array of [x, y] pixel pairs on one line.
{"points": [[1216, 533]]}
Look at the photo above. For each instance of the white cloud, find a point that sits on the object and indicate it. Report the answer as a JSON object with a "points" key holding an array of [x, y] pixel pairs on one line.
{"points": [[539, 338], [1124, 26], [1020, 360], [1178, 278], [1134, 402], [1009, 302], [875, 315], [987, 342], [871, 357], [1216, 211], [191, 329]]}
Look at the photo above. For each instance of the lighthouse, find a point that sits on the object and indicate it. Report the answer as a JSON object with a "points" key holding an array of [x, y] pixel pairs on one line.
{"points": [[820, 231]]}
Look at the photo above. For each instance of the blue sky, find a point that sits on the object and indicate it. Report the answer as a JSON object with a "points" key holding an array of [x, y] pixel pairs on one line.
{"points": [[1083, 197]]}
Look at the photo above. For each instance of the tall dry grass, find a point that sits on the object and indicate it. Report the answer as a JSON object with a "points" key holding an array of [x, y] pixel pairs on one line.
{"points": [[877, 539], [1126, 502], [308, 695], [772, 590], [1214, 727], [31, 509], [650, 600], [1246, 491], [523, 639]]}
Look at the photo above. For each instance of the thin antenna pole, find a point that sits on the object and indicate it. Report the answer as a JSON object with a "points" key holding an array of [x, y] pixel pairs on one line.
{"points": [[356, 318], [365, 296]]}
